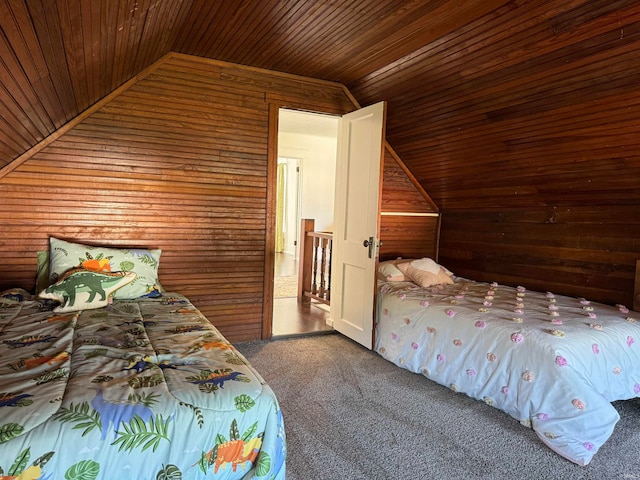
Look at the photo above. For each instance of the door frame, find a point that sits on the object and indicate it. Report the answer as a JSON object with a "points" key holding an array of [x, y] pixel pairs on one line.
{"points": [[270, 223]]}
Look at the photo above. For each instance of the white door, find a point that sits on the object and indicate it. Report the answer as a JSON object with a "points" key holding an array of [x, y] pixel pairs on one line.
{"points": [[353, 279]]}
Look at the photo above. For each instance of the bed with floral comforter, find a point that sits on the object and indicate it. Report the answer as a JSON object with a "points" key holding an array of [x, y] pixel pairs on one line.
{"points": [[552, 362], [139, 389]]}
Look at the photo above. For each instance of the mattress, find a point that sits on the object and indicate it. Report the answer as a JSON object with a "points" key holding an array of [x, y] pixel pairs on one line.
{"points": [[552, 362], [139, 389]]}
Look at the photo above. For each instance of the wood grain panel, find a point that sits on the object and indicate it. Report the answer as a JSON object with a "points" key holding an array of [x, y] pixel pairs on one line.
{"points": [[334, 40], [177, 161], [403, 231], [564, 250], [534, 105], [525, 133], [636, 288], [399, 193], [61, 56], [493, 106], [408, 237]]}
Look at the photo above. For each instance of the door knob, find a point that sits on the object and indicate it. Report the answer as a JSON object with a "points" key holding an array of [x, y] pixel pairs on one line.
{"points": [[371, 244]]}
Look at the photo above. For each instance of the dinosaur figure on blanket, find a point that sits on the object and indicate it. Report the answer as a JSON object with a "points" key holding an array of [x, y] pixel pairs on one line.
{"points": [[235, 452], [38, 359], [216, 378], [117, 412], [19, 399], [28, 340], [141, 363]]}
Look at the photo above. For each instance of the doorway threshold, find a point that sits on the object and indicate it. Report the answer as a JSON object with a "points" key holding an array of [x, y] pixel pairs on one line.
{"points": [[293, 318]]}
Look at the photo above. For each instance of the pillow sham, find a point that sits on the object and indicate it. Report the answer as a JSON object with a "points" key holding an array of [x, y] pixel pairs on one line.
{"points": [[81, 289], [42, 273], [388, 272], [425, 272], [64, 256], [429, 265]]}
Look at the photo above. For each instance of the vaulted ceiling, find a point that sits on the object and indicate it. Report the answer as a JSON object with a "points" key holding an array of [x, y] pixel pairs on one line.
{"points": [[490, 102]]}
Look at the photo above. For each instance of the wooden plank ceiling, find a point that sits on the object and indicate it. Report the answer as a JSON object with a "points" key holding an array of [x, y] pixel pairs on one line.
{"points": [[490, 102]]}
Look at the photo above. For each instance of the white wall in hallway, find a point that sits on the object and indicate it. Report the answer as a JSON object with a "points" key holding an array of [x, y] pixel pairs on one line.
{"points": [[317, 156]]}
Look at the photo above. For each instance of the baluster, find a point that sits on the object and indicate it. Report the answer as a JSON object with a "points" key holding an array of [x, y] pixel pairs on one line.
{"points": [[306, 257], [323, 260], [314, 284], [315, 267]]}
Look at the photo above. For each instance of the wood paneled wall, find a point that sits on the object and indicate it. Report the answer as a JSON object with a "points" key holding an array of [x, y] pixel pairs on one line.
{"points": [[409, 219], [580, 250], [176, 160], [502, 109], [526, 133]]}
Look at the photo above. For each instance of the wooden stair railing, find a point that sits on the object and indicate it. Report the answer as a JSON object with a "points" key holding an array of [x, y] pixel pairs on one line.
{"points": [[314, 267]]}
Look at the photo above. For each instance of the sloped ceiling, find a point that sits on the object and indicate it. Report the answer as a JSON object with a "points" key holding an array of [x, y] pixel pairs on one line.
{"points": [[490, 102]]}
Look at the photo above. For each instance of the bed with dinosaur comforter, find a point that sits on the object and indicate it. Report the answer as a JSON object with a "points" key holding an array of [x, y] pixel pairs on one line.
{"points": [[553, 362], [138, 389]]}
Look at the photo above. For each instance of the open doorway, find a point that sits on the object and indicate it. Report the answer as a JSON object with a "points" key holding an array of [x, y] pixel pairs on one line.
{"points": [[307, 149]]}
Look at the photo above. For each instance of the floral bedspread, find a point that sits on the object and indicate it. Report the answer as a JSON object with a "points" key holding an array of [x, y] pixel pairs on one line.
{"points": [[140, 389], [552, 362]]}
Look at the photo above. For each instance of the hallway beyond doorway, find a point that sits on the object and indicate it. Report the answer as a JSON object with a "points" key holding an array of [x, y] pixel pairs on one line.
{"points": [[291, 318]]}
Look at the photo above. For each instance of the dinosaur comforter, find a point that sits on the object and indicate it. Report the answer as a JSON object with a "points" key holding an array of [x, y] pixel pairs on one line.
{"points": [[552, 362], [140, 389]]}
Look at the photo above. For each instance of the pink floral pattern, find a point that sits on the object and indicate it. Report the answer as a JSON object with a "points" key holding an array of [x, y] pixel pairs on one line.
{"points": [[460, 348]]}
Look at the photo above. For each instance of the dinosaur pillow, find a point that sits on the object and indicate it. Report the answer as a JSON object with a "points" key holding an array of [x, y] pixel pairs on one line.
{"points": [[81, 289], [64, 256]]}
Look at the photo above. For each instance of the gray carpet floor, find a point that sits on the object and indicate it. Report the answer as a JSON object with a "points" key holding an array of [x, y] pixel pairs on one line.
{"points": [[350, 414]]}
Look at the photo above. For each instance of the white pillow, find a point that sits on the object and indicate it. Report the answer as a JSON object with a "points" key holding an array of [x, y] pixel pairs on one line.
{"points": [[425, 272], [426, 264], [388, 272]]}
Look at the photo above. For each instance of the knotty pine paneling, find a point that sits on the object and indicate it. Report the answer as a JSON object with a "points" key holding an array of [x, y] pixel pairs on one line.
{"points": [[178, 161], [582, 251]]}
